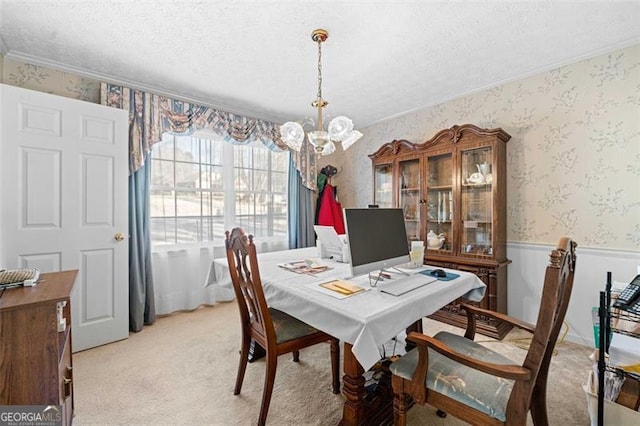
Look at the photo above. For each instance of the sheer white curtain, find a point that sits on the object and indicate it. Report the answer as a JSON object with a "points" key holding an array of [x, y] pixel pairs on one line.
{"points": [[180, 276], [183, 280]]}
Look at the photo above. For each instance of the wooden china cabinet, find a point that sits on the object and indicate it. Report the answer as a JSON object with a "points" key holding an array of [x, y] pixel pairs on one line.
{"points": [[452, 189]]}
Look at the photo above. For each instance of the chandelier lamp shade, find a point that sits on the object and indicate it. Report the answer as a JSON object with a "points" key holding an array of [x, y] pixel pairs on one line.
{"points": [[340, 128]]}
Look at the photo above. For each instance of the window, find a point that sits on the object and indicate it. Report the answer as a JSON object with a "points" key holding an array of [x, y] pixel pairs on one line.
{"points": [[202, 187]]}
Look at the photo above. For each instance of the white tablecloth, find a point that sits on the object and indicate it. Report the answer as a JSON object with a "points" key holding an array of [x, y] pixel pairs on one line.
{"points": [[366, 320]]}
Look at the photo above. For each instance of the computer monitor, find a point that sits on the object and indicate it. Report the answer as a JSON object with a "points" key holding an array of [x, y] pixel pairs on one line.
{"points": [[377, 239]]}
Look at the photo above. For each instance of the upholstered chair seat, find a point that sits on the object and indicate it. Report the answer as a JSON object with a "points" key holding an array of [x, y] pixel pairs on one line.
{"points": [[471, 387], [289, 328]]}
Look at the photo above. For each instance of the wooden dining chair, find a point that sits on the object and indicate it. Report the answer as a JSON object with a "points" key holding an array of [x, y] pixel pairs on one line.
{"points": [[277, 332], [471, 382]]}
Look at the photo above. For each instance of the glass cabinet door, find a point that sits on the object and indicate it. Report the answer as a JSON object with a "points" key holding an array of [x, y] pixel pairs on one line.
{"points": [[383, 185], [440, 202], [409, 196], [477, 202]]}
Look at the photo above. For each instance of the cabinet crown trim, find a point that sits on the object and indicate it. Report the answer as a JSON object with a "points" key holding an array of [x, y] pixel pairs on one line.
{"points": [[453, 134]]}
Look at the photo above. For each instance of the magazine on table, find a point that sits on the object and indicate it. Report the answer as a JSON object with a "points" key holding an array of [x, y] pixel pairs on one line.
{"points": [[306, 266]]}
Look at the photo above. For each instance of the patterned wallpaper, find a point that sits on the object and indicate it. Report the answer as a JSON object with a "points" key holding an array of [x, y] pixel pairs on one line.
{"points": [[573, 159], [48, 80]]}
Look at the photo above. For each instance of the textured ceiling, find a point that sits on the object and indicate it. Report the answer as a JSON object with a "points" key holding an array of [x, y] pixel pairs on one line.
{"points": [[382, 59]]}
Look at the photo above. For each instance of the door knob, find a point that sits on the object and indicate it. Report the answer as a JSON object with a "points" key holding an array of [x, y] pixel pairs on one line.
{"points": [[119, 236]]}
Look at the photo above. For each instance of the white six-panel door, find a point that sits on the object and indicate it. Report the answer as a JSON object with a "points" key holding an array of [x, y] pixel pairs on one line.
{"points": [[64, 201]]}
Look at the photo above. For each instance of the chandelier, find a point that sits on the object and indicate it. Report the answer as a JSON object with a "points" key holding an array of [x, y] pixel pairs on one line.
{"points": [[340, 129]]}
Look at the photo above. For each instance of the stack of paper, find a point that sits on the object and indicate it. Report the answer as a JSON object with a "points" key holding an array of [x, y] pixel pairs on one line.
{"points": [[623, 352]]}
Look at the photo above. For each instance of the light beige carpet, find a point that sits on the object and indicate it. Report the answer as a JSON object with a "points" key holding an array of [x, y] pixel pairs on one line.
{"points": [[181, 371]]}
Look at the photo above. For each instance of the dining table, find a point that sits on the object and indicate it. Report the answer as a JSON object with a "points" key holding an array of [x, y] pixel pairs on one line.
{"points": [[364, 320]]}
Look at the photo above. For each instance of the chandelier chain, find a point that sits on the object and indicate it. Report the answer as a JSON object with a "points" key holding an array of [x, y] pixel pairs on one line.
{"points": [[320, 70]]}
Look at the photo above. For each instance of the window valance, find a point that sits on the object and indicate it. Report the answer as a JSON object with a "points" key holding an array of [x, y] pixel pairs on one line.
{"points": [[151, 115]]}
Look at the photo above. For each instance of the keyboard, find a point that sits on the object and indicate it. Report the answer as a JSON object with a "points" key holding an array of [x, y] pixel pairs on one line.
{"points": [[400, 286]]}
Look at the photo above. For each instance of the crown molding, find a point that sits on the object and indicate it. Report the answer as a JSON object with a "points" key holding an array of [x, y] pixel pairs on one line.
{"points": [[233, 109]]}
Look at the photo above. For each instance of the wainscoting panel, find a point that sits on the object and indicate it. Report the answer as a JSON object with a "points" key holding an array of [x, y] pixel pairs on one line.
{"points": [[526, 275]]}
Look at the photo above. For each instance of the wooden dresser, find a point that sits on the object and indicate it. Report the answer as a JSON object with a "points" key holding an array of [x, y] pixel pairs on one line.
{"points": [[35, 357]]}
